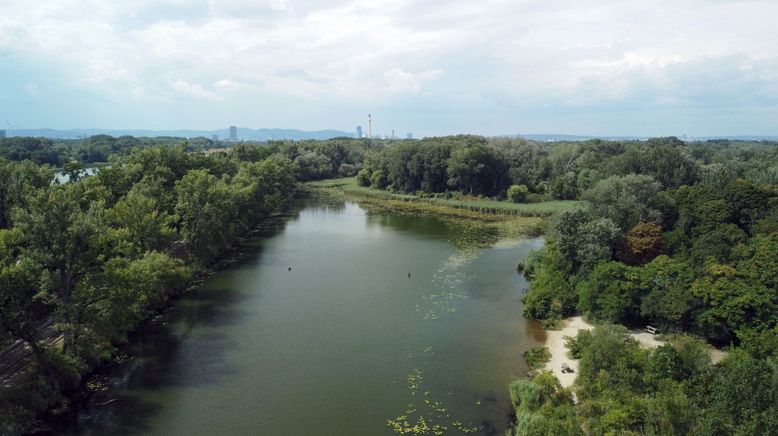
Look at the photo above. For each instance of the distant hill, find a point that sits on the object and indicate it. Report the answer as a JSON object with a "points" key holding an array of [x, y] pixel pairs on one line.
{"points": [[244, 133], [552, 137], [560, 137], [247, 134]]}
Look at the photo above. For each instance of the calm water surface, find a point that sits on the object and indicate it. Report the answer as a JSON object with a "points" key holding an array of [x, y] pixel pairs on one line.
{"points": [[338, 345]]}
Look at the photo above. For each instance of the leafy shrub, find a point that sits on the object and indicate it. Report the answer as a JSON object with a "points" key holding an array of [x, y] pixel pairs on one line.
{"points": [[537, 357], [363, 177], [518, 193], [577, 344]]}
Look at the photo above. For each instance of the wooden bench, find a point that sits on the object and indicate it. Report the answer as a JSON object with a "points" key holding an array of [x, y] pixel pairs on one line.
{"points": [[651, 330]]}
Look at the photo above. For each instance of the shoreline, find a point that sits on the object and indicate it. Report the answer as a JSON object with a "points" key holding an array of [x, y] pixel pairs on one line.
{"points": [[90, 391]]}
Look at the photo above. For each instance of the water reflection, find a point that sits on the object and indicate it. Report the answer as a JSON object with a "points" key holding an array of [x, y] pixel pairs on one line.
{"points": [[337, 336]]}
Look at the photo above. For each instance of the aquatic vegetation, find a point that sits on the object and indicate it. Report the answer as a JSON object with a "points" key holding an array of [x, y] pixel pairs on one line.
{"points": [[429, 417], [414, 380]]}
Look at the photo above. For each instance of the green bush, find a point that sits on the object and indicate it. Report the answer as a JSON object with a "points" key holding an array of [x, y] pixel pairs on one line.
{"points": [[378, 180], [537, 357], [363, 177], [518, 193], [576, 345]]}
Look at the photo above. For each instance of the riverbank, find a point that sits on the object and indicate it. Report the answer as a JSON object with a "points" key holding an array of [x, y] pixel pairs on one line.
{"points": [[91, 389]]}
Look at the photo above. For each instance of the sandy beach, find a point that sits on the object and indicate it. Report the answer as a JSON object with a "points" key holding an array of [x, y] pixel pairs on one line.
{"points": [[555, 341]]}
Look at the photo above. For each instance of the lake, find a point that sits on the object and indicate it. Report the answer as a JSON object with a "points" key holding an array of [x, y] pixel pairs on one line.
{"points": [[381, 317]]}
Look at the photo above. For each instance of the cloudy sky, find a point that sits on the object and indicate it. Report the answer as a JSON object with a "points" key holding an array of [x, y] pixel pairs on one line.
{"points": [[432, 67]]}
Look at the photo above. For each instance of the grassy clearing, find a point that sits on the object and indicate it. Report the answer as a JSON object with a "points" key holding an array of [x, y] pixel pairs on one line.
{"points": [[483, 206]]}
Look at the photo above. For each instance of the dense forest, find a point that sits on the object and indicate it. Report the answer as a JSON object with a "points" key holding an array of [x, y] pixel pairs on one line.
{"points": [[98, 255], [682, 236]]}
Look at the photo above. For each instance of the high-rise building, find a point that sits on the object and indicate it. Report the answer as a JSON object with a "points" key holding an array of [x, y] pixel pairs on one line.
{"points": [[2, 133], [214, 137], [233, 133], [409, 136], [359, 131]]}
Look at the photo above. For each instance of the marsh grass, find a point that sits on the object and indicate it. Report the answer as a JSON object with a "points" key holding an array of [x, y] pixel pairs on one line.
{"points": [[484, 206], [475, 226]]}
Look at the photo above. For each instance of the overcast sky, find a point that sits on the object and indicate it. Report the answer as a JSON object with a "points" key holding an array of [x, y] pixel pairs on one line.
{"points": [[432, 67]]}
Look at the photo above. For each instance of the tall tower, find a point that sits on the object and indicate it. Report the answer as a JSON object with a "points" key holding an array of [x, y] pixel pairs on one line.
{"points": [[369, 126], [359, 131]]}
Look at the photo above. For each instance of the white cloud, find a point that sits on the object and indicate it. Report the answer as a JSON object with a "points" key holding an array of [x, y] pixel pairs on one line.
{"points": [[194, 90], [398, 80], [226, 85], [525, 53]]}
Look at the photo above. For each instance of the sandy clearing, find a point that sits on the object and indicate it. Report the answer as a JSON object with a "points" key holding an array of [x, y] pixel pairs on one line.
{"points": [[647, 340], [555, 341]]}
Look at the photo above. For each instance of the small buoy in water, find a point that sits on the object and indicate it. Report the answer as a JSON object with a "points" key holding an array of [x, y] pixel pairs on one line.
{"points": [[290, 268], [409, 275]]}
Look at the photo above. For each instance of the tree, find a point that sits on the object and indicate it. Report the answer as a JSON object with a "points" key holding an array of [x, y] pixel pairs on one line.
{"points": [[24, 310], [744, 397], [142, 218], [18, 182], [583, 240], [75, 171], [550, 294], [363, 177], [613, 365], [206, 212], [643, 243], [612, 293], [261, 188], [64, 239], [378, 180], [128, 290], [564, 187], [313, 166], [667, 300], [518, 193], [476, 169], [627, 200]]}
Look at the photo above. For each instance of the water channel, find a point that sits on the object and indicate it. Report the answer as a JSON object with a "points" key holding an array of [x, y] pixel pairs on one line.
{"points": [[380, 317]]}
